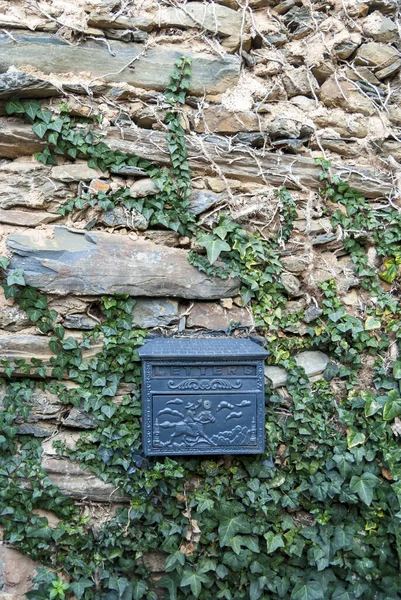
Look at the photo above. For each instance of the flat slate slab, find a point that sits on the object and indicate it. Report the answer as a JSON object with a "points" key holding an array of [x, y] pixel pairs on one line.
{"points": [[62, 261], [150, 70]]}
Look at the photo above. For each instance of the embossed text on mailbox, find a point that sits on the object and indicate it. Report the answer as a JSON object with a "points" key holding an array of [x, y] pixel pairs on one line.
{"points": [[203, 396]]}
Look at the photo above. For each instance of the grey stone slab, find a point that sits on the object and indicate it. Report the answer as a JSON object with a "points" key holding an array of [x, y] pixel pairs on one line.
{"points": [[23, 85], [151, 70], [313, 361], [202, 200], [154, 312], [63, 261], [79, 419]]}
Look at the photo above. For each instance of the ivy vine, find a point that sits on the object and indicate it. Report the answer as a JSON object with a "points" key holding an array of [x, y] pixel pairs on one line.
{"points": [[316, 517]]}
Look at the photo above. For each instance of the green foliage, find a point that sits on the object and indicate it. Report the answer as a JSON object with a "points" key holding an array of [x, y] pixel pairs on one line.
{"points": [[77, 138], [316, 516]]}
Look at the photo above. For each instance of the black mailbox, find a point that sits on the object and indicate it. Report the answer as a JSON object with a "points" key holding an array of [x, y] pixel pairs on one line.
{"points": [[203, 396]]}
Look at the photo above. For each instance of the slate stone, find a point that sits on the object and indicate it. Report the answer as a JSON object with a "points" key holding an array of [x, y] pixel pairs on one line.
{"points": [[79, 419], [213, 316], [154, 312], [28, 184], [79, 321], [36, 430], [122, 217], [312, 313], [13, 318], [291, 284], [63, 261], [202, 200], [313, 361], [22, 346], [50, 54], [23, 85], [74, 481], [26, 219], [75, 172], [210, 17]]}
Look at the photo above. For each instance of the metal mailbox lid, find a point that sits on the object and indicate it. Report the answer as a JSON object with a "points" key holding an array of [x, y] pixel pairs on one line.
{"points": [[201, 348]]}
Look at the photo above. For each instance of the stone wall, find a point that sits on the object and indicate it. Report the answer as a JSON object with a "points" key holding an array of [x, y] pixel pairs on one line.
{"points": [[274, 86]]}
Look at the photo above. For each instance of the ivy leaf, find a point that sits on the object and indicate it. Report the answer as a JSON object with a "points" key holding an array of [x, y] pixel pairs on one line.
{"points": [[392, 408], [340, 594], [177, 558], [194, 580], [14, 106], [273, 541], [4, 262], [39, 128], [230, 526], [364, 486], [254, 590], [355, 438], [372, 323], [214, 246], [16, 277], [311, 590], [109, 410], [397, 369], [105, 454], [169, 582], [139, 589], [45, 115], [31, 108], [69, 343], [34, 314], [56, 125], [79, 587], [204, 504]]}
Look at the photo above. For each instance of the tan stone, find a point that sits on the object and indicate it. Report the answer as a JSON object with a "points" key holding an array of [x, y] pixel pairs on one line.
{"points": [[339, 93], [227, 303], [380, 28], [75, 172], [351, 299], [213, 316], [343, 123], [26, 346], [13, 318], [299, 82], [395, 115], [27, 219], [207, 17], [72, 479], [382, 58], [392, 148], [326, 267], [218, 119], [215, 184], [17, 571], [296, 263], [98, 185], [51, 517], [28, 184], [154, 561], [144, 187]]}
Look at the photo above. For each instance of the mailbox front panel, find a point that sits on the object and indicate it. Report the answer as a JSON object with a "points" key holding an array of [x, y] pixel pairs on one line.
{"points": [[203, 407]]}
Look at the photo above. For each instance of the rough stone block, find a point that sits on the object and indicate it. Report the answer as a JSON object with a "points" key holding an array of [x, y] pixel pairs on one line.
{"points": [[152, 68], [17, 572], [313, 361], [154, 312], [27, 346], [61, 261], [215, 317]]}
